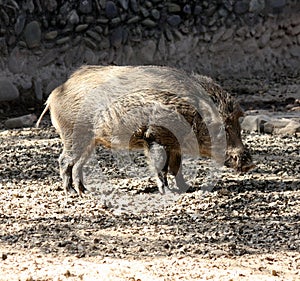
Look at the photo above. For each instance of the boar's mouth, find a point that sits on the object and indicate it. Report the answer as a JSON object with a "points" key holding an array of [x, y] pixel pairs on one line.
{"points": [[241, 162]]}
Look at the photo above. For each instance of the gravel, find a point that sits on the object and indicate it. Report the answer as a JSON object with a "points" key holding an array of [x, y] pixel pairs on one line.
{"points": [[246, 228]]}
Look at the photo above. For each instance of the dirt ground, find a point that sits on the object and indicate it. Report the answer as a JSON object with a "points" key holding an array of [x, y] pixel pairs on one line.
{"points": [[246, 228]]}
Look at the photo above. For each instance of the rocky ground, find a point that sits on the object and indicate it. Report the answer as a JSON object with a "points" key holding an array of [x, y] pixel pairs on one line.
{"points": [[247, 228]]}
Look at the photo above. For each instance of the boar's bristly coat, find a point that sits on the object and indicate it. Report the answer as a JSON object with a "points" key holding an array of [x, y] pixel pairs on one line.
{"points": [[163, 110]]}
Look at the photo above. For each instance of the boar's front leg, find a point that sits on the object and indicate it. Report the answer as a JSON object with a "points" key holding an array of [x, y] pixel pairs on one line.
{"points": [[159, 161]]}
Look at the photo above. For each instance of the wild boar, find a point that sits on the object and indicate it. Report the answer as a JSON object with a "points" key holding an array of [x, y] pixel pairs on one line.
{"points": [[165, 111]]}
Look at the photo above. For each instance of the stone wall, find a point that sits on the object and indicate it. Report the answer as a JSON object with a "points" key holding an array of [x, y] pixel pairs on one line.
{"points": [[42, 41]]}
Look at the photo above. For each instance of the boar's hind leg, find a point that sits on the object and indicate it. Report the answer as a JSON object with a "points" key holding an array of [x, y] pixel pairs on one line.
{"points": [[66, 165], [159, 160], [175, 169], [77, 171]]}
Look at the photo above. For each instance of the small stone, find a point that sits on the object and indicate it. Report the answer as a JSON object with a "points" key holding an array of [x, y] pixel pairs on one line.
{"points": [[20, 23], [94, 35], [155, 14], [3, 47], [174, 20], [187, 9], [256, 6], [134, 5], [295, 51], [197, 10], [51, 5], [63, 40], [124, 4], [51, 35], [32, 34], [4, 256], [73, 17], [38, 89], [149, 23], [90, 43], [241, 7], [296, 30], [105, 43], [20, 122], [111, 10], [81, 27], [117, 37], [145, 12], [85, 6], [48, 58], [133, 19], [173, 8], [8, 91], [277, 3]]}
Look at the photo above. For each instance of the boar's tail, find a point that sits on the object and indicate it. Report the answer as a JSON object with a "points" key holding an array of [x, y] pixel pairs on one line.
{"points": [[42, 115]]}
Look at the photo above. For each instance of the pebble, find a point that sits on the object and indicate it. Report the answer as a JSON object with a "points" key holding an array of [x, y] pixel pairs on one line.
{"points": [[85, 6], [117, 37], [81, 27], [32, 34], [20, 122], [174, 20], [111, 9], [8, 91], [51, 35], [20, 23], [63, 40], [94, 35]]}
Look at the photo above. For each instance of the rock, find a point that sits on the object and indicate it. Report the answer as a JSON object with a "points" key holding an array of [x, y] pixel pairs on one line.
{"points": [[264, 39], [147, 51], [295, 51], [253, 123], [124, 4], [145, 12], [94, 35], [85, 6], [81, 27], [174, 20], [20, 122], [90, 57], [38, 89], [256, 6], [149, 23], [241, 7], [250, 45], [3, 47], [187, 9], [49, 57], [63, 40], [90, 43], [173, 8], [117, 37], [197, 10], [51, 5], [73, 17], [155, 14], [32, 34], [277, 3], [20, 23], [134, 6], [111, 9], [8, 91], [51, 35], [296, 30]]}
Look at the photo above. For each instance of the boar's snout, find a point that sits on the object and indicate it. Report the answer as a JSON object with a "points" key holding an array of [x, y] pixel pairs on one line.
{"points": [[240, 160]]}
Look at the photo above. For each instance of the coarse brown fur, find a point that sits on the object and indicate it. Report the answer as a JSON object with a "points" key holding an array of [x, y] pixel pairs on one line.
{"points": [[146, 107]]}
